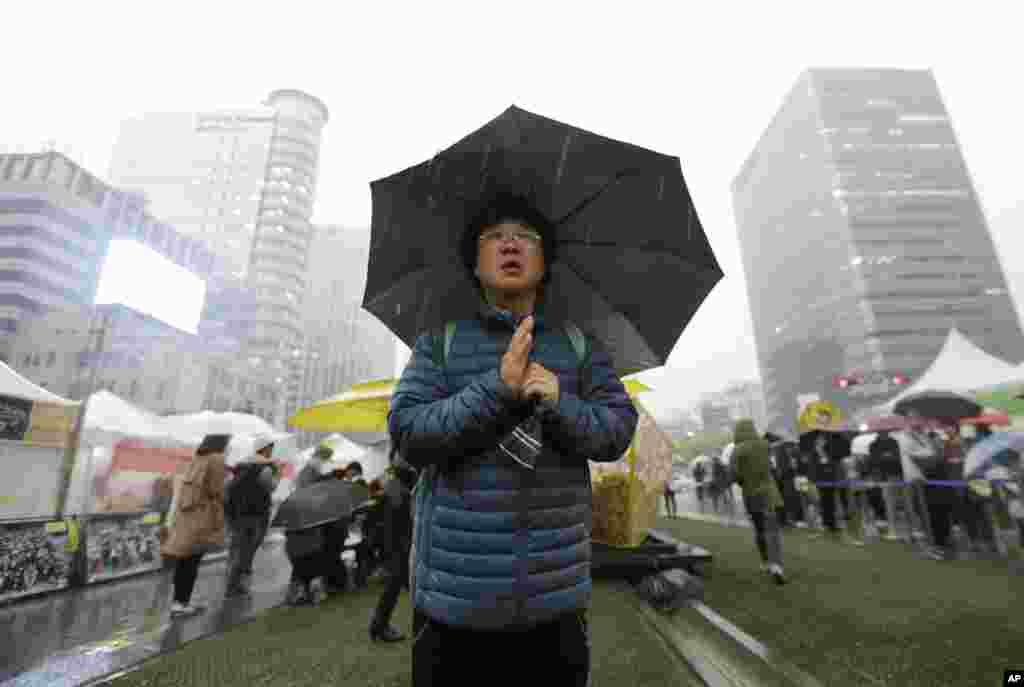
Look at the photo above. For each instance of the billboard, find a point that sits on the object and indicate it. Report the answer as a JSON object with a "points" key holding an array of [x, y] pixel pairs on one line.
{"points": [[138, 277]]}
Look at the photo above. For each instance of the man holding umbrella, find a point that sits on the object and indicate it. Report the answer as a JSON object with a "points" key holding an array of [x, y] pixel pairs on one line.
{"points": [[501, 560], [567, 239]]}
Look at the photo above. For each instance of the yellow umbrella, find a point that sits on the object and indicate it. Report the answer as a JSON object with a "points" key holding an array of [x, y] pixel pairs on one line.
{"points": [[810, 420], [360, 412]]}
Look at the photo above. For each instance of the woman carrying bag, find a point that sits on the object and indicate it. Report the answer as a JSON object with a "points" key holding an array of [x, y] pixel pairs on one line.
{"points": [[196, 524]]}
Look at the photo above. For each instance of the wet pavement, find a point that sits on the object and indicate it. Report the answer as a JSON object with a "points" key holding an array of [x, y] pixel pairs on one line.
{"points": [[73, 637]]}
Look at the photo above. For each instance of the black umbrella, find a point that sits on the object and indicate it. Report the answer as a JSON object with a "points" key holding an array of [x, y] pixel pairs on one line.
{"points": [[627, 235], [939, 405], [319, 504]]}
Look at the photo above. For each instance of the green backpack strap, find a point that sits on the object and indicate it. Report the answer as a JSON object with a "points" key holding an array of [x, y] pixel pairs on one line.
{"points": [[443, 345], [581, 346]]}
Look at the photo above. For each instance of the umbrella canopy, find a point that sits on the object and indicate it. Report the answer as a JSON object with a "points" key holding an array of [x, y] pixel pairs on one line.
{"points": [[360, 412], [939, 405], [819, 415], [209, 422], [885, 423], [1010, 402], [1002, 449], [625, 229], [319, 504], [996, 419], [243, 447]]}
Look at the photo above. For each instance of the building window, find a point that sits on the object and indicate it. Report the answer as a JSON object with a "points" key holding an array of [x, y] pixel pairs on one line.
{"points": [[51, 358], [134, 390], [161, 391]]}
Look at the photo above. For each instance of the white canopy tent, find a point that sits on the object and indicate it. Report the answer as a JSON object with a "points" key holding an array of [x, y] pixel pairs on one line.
{"points": [[37, 429], [961, 367], [13, 384]]}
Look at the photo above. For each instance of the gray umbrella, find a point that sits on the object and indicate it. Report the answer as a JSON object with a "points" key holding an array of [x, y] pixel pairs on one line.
{"points": [[319, 504], [942, 405]]}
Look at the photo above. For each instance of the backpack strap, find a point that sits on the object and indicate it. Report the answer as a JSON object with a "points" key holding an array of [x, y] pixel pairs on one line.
{"points": [[442, 340], [581, 345]]}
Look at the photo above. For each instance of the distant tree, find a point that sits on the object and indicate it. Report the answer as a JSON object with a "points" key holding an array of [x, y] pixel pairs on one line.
{"points": [[701, 443]]}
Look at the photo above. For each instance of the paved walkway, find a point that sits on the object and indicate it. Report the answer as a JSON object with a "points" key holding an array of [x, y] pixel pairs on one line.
{"points": [[70, 638]]}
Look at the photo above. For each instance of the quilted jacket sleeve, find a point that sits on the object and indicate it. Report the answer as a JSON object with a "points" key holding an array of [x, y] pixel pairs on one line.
{"points": [[432, 426], [600, 427]]}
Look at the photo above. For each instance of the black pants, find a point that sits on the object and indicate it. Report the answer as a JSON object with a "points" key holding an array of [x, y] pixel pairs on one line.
{"points": [[828, 505], [186, 570], [877, 503], [334, 568], [791, 497], [941, 502], [247, 535], [670, 504], [555, 653], [307, 568], [398, 578]]}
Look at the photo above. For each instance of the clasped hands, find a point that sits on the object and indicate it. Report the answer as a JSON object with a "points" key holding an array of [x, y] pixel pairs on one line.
{"points": [[529, 381]]}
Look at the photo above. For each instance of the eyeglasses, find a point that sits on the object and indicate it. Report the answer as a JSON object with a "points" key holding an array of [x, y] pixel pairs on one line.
{"points": [[517, 235]]}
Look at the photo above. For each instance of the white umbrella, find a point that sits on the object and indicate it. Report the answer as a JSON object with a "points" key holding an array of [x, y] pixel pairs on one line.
{"points": [[243, 447], [208, 422]]}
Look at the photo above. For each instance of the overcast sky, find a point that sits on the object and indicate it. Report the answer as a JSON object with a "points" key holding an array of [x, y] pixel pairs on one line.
{"points": [[403, 81]]}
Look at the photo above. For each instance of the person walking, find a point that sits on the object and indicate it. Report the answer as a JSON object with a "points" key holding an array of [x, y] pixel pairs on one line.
{"points": [[197, 519], [398, 538], [670, 499], [247, 507], [503, 424], [752, 462], [699, 475]]}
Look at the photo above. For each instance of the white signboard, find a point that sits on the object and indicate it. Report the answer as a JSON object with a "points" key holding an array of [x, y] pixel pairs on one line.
{"points": [[30, 479]]}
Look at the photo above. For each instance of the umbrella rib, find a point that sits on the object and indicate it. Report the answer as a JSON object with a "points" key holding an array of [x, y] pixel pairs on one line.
{"points": [[656, 248], [600, 192]]}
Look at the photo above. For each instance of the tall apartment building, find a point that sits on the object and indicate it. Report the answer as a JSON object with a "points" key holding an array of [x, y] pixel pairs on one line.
{"points": [[243, 181], [864, 241]]}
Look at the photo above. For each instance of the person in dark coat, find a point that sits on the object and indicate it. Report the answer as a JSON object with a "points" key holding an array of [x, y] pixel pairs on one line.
{"points": [[398, 538], [247, 507], [504, 428]]}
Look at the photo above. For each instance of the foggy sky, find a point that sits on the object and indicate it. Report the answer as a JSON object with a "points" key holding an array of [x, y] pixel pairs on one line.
{"points": [[404, 81]]}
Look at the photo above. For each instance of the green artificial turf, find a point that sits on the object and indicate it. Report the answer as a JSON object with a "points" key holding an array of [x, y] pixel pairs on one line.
{"points": [[875, 615], [329, 645]]}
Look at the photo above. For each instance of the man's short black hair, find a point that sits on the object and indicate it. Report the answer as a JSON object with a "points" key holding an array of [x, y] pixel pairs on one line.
{"points": [[507, 207]]}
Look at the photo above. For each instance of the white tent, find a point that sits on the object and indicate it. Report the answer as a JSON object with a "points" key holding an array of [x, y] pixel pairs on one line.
{"points": [[112, 415], [961, 367], [13, 384]]}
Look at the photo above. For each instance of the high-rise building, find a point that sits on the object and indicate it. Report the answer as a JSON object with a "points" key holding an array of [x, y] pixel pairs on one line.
{"points": [[344, 344], [244, 181], [56, 223], [77, 351], [864, 241]]}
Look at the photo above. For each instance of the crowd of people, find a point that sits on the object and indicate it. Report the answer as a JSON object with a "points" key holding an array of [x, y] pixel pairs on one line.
{"points": [[810, 478], [211, 500]]}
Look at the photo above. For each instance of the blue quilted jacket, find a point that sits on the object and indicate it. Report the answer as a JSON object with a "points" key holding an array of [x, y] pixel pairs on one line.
{"points": [[495, 545]]}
